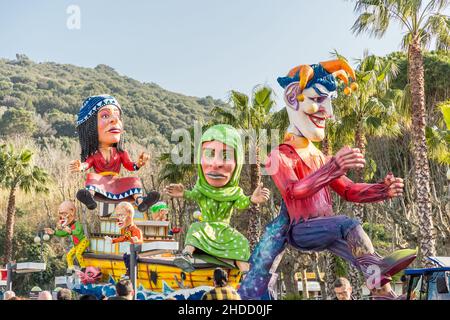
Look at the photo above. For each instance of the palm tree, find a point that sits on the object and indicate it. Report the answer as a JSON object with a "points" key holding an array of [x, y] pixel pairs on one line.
{"points": [[372, 110], [250, 118], [422, 21], [18, 173]]}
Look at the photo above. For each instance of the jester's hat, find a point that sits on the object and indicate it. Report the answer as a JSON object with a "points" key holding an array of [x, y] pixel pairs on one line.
{"points": [[324, 73]]}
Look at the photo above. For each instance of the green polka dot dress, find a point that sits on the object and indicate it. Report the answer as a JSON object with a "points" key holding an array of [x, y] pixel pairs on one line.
{"points": [[213, 234]]}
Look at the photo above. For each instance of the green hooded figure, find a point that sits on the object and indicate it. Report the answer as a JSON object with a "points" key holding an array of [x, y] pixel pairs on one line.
{"points": [[217, 193]]}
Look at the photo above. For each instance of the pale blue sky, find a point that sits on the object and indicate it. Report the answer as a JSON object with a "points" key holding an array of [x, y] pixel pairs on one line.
{"points": [[195, 47]]}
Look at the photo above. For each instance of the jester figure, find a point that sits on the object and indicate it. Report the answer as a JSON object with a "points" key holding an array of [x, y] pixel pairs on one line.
{"points": [[69, 226], [305, 178], [100, 131], [129, 232], [217, 193]]}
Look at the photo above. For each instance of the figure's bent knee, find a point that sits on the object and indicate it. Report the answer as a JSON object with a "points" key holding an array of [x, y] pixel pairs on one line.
{"points": [[359, 242]]}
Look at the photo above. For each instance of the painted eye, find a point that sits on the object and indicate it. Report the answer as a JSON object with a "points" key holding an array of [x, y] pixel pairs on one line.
{"points": [[227, 155], [321, 99], [209, 153]]}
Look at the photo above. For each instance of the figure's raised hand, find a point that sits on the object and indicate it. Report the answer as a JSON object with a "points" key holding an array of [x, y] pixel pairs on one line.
{"points": [[49, 231], [75, 166], [108, 239], [349, 158], [395, 185], [260, 195], [143, 159], [175, 190]]}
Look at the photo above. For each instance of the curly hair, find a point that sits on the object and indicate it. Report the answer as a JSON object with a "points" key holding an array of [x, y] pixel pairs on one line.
{"points": [[88, 136]]}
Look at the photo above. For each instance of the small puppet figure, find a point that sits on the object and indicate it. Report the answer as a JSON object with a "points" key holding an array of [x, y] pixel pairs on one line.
{"points": [[160, 211], [69, 226], [217, 192], [128, 230], [90, 276], [100, 131]]}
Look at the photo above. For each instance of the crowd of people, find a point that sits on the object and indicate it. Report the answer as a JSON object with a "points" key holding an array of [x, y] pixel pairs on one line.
{"points": [[125, 291]]}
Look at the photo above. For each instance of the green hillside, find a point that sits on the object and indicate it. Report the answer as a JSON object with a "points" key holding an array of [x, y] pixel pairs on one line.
{"points": [[42, 99]]}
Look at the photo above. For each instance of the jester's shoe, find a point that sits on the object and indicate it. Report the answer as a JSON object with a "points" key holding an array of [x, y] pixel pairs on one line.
{"points": [[388, 266], [398, 260]]}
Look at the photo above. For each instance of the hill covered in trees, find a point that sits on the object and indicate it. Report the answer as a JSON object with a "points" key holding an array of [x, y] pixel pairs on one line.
{"points": [[41, 100]]}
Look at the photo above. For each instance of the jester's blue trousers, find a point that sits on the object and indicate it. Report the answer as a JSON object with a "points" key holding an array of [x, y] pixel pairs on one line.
{"points": [[318, 234]]}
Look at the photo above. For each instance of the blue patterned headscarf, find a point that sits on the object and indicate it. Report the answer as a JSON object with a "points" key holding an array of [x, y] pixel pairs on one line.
{"points": [[92, 104], [321, 76]]}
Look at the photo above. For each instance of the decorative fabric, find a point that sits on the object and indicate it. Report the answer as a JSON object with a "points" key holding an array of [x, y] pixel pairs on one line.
{"points": [[321, 76], [105, 180]]}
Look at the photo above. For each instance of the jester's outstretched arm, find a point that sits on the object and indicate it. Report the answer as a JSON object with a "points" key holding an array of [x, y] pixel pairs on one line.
{"points": [[272, 243]]}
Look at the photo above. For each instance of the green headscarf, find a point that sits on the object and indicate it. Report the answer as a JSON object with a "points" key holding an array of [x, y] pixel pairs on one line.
{"points": [[231, 191]]}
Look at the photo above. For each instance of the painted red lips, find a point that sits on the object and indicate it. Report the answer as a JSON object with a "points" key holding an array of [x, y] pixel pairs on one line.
{"points": [[319, 122]]}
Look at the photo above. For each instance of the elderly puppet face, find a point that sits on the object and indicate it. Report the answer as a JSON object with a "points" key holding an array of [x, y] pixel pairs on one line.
{"points": [[66, 212], [124, 214], [218, 163], [109, 125], [308, 116]]}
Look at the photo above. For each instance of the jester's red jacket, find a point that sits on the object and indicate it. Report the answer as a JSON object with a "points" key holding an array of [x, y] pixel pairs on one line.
{"points": [[305, 181]]}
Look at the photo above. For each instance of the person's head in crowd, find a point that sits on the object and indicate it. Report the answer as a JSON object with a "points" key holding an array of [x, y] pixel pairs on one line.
{"points": [[124, 289], [88, 297], [8, 295], [343, 289], [64, 294], [45, 295], [220, 278]]}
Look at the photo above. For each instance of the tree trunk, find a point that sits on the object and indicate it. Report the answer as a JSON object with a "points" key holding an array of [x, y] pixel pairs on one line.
{"points": [[330, 274], [323, 289], [355, 281], [10, 217], [289, 266], [254, 224], [305, 292], [420, 151], [326, 148], [358, 208]]}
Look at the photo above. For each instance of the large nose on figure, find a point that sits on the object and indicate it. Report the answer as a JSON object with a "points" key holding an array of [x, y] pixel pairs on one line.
{"points": [[114, 119], [217, 162]]}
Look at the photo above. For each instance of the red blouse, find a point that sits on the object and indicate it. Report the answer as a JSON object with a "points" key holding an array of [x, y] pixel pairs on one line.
{"points": [[305, 189], [98, 162]]}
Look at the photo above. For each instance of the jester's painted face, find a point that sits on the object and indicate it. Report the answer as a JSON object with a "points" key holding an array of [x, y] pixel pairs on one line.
{"points": [[218, 163], [66, 213], [308, 116], [109, 125]]}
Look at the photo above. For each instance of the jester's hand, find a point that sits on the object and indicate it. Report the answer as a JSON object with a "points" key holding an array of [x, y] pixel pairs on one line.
{"points": [[349, 158], [175, 190], [68, 230], [395, 185], [134, 239], [260, 195], [143, 158]]}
